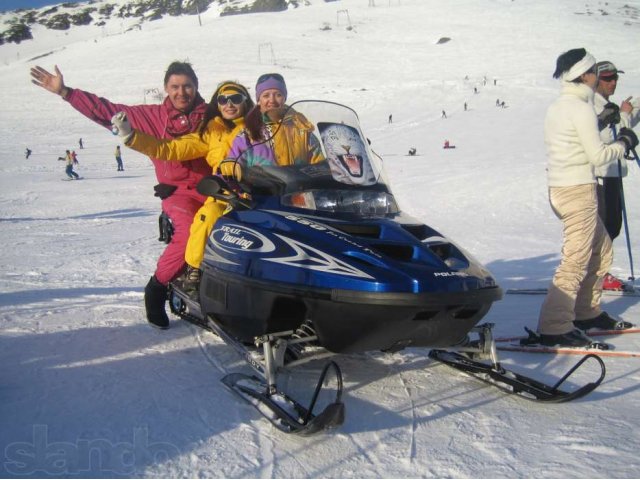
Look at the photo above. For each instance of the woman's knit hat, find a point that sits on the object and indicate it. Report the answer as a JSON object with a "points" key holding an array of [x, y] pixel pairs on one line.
{"points": [[229, 88], [573, 63], [269, 81]]}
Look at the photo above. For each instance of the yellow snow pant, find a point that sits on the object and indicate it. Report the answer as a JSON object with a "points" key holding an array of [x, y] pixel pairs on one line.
{"points": [[200, 229], [587, 254]]}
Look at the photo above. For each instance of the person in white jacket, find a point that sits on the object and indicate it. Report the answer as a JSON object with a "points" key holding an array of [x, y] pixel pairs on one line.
{"points": [[574, 149], [611, 117]]}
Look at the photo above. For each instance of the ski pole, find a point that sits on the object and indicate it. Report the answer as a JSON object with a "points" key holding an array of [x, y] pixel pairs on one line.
{"points": [[624, 209], [635, 155], [626, 223]]}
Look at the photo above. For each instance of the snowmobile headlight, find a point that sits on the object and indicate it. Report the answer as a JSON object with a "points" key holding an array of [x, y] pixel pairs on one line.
{"points": [[359, 202]]}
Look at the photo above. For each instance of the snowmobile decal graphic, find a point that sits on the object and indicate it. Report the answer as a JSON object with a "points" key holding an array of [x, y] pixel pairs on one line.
{"points": [[309, 221], [211, 254], [313, 259], [233, 238], [353, 163], [346, 153]]}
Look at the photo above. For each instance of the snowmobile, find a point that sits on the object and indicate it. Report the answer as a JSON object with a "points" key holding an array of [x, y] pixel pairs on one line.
{"points": [[316, 258]]}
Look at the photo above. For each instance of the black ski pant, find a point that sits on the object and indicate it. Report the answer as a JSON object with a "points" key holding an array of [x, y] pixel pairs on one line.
{"points": [[610, 204]]}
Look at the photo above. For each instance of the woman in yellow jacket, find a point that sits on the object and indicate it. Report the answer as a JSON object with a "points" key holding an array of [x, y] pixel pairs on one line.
{"points": [[222, 122], [259, 144]]}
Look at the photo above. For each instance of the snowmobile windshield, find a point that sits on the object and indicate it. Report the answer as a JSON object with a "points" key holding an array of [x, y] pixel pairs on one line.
{"points": [[316, 157]]}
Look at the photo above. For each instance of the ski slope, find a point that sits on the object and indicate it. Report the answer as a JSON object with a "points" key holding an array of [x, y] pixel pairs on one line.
{"points": [[87, 389]]}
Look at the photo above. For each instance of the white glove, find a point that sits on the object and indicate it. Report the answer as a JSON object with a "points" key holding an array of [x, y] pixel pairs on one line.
{"points": [[120, 126]]}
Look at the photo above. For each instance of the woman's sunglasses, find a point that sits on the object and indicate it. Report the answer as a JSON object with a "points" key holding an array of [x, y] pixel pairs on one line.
{"points": [[236, 99]]}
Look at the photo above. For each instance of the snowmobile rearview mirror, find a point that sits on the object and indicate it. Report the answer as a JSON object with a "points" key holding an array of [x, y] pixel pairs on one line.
{"points": [[211, 185], [217, 187]]}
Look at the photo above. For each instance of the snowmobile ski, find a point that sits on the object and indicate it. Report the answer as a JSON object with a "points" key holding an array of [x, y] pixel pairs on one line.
{"points": [[519, 384], [280, 409], [283, 412]]}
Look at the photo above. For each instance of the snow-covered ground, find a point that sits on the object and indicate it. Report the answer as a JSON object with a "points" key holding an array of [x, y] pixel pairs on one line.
{"points": [[87, 389]]}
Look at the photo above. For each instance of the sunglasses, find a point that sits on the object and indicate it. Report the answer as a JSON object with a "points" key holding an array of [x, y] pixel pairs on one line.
{"points": [[267, 76], [610, 78], [235, 99]]}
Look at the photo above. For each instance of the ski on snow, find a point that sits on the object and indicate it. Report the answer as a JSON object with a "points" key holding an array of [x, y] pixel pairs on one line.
{"points": [[591, 333], [543, 291], [566, 350], [515, 346]]}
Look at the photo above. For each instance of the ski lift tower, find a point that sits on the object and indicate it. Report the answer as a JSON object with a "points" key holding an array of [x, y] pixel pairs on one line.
{"points": [[268, 48], [198, 12], [153, 93], [345, 13]]}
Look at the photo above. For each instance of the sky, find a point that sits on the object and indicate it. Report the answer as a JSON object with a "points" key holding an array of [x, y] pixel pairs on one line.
{"points": [[89, 390], [15, 4]]}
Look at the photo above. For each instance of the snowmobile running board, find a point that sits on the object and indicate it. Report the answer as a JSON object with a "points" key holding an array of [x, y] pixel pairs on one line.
{"points": [[519, 384]]}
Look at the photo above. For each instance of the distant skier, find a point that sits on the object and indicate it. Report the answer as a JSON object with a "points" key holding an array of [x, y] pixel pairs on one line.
{"points": [[74, 156], [27, 153], [444, 114], [80, 143], [118, 154], [69, 169], [412, 151], [465, 106], [448, 145], [390, 118]]}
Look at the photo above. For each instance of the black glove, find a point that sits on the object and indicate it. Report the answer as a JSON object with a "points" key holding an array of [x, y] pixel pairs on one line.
{"points": [[629, 138], [164, 190], [610, 115]]}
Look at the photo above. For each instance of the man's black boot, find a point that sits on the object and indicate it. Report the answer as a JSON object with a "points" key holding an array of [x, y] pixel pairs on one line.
{"points": [[155, 296]]}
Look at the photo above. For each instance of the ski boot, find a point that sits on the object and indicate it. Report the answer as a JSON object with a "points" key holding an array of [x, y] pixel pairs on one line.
{"points": [[602, 322], [190, 282], [155, 296], [574, 338], [612, 283]]}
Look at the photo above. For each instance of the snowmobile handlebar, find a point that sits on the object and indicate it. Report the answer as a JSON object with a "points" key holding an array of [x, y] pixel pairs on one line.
{"points": [[218, 188]]}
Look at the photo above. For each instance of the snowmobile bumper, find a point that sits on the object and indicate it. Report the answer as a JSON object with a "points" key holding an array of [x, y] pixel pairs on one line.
{"points": [[345, 321]]}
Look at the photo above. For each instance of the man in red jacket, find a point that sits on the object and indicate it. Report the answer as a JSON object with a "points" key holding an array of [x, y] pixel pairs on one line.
{"points": [[179, 113]]}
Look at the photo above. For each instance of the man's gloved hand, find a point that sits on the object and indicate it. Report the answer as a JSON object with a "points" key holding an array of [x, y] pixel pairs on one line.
{"points": [[120, 126], [610, 115], [629, 138]]}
